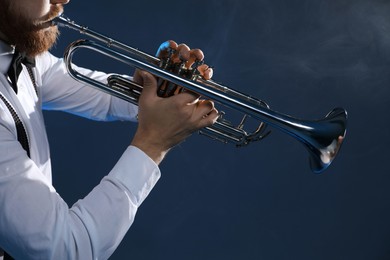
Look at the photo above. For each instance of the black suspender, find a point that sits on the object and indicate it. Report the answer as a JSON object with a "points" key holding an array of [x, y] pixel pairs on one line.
{"points": [[7, 256], [20, 129]]}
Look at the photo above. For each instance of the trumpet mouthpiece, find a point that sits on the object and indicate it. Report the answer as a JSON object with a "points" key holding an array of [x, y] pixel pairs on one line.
{"points": [[60, 20]]}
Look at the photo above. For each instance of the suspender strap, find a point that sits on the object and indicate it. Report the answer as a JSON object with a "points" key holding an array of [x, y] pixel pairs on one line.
{"points": [[7, 256], [31, 73], [20, 130]]}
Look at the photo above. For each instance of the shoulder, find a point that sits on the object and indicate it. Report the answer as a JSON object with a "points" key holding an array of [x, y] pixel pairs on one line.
{"points": [[46, 60], [48, 64]]}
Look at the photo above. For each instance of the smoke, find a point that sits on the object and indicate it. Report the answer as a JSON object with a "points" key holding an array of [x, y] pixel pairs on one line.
{"points": [[320, 38]]}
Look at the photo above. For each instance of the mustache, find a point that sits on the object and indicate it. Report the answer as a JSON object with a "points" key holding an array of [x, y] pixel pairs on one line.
{"points": [[55, 11]]}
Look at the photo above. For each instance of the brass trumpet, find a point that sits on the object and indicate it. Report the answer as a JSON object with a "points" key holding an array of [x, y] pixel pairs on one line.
{"points": [[322, 138]]}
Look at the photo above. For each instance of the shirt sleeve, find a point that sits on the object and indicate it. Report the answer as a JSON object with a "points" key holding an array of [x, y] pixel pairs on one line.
{"points": [[35, 222], [61, 92]]}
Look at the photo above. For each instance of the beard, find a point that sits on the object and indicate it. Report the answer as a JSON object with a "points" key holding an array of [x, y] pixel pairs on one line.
{"points": [[28, 36]]}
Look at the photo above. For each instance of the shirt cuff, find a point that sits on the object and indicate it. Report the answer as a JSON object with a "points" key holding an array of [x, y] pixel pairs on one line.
{"points": [[123, 110], [137, 172]]}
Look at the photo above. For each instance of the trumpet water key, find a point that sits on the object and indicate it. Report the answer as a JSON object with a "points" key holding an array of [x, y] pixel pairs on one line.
{"points": [[322, 138]]}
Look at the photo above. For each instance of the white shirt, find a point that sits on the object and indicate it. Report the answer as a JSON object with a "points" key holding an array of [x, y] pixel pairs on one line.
{"points": [[35, 223]]}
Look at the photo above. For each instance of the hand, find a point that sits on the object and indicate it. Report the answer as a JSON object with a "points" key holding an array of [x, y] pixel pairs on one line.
{"points": [[182, 53], [180, 60], [165, 122]]}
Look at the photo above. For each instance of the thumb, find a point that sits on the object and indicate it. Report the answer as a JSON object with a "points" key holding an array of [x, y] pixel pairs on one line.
{"points": [[149, 83]]}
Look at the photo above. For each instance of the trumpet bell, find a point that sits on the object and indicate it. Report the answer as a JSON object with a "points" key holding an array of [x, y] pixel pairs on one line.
{"points": [[325, 142]]}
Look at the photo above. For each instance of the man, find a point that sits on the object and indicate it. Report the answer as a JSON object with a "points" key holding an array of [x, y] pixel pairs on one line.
{"points": [[35, 223]]}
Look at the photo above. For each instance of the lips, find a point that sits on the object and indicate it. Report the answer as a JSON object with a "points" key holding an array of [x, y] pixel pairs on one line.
{"points": [[54, 12], [47, 22]]}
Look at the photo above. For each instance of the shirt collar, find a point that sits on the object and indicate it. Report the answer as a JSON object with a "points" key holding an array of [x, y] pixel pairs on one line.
{"points": [[6, 52]]}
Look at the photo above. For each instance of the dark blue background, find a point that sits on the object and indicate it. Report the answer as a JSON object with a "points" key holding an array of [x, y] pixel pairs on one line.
{"points": [[215, 201]]}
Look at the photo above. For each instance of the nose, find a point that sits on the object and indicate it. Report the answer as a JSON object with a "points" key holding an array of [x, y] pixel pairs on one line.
{"points": [[62, 2]]}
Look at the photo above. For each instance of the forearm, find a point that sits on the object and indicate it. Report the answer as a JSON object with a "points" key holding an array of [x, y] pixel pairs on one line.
{"points": [[47, 229], [61, 92]]}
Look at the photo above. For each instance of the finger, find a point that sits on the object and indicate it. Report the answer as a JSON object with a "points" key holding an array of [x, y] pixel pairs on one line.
{"points": [[137, 77], [185, 98], [204, 107], [195, 56], [149, 83], [205, 71], [182, 53], [209, 119], [165, 49]]}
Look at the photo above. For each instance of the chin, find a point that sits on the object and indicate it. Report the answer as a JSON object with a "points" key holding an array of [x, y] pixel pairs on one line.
{"points": [[39, 41]]}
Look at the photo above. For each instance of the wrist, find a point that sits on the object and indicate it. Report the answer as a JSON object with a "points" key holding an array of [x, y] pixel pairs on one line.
{"points": [[154, 151]]}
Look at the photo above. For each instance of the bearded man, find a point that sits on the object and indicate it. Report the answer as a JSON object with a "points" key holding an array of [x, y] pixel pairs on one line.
{"points": [[35, 223]]}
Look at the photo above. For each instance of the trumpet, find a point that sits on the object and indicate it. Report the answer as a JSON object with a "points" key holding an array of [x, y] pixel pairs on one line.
{"points": [[322, 138]]}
